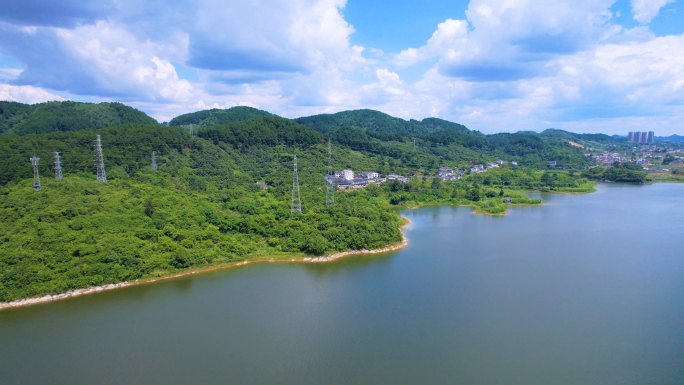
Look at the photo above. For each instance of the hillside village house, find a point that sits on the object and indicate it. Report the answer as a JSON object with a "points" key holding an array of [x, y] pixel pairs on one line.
{"points": [[400, 178], [345, 179], [447, 174]]}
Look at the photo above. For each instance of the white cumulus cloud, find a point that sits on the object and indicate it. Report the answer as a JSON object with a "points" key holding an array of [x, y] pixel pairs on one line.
{"points": [[645, 10], [26, 94]]}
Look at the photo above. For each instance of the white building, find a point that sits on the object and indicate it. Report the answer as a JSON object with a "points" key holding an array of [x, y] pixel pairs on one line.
{"points": [[397, 177], [369, 175], [345, 174]]}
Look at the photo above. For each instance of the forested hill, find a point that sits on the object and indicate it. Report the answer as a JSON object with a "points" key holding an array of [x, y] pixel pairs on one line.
{"points": [[376, 124], [562, 135], [208, 118], [21, 119], [202, 205]]}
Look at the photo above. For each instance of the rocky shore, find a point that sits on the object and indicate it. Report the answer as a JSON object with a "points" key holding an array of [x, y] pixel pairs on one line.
{"points": [[68, 294]]}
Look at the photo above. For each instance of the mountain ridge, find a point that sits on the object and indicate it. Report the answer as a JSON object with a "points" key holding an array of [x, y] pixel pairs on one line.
{"points": [[22, 119]]}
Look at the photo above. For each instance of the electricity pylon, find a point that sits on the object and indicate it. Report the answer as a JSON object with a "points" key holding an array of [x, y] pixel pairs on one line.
{"points": [[154, 161], [330, 191], [58, 167], [296, 206], [36, 176], [101, 175]]}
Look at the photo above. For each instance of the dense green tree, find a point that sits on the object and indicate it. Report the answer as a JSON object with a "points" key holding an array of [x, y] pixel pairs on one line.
{"points": [[669, 158]]}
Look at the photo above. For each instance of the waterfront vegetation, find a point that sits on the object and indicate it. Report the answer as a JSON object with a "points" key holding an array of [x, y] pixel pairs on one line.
{"points": [[626, 172], [203, 206], [77, 233]]}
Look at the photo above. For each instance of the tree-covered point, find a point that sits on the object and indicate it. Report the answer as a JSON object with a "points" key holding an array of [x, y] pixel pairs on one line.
{"points": [[77, 233], [626, 172], [21, 119], [215, 116]]}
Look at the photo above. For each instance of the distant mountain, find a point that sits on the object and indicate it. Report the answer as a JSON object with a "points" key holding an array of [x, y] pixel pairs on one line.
{"points": [[377, 124], [553, 133], [21, 119], [207, 118], [671, 138]]}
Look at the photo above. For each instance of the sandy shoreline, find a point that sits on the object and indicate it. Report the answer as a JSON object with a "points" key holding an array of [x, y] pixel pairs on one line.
{"points": [[96, 289]]}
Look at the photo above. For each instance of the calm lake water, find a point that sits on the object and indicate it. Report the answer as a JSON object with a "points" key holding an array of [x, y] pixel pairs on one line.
{"points": [[588, 289]]}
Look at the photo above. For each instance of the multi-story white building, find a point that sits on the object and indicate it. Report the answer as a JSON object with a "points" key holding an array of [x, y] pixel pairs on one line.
{"points": [[345, 174], [369, 175]]}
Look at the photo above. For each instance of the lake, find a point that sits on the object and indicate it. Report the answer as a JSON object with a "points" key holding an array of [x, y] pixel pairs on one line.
{"points": [[587, 289]]}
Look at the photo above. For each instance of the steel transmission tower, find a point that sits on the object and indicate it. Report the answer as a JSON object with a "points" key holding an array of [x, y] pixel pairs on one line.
{"points": [[154, 161], [330, 192], [36, 176], [101, 175], [192, 131], [296, 206], [58, 167]]}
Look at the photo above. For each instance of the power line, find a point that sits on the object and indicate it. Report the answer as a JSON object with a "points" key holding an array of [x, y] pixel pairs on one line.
{"points": [[295, 207], [58, 167], [101, 175]]}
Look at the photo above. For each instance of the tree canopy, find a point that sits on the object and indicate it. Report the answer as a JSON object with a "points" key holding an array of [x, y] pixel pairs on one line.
{"points": [[22, 119]]}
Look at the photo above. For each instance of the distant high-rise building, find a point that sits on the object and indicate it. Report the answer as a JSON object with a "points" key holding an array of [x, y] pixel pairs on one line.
{"points": [[641, 137]]}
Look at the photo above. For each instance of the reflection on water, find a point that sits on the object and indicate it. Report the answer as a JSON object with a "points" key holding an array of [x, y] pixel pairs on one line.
{"points": [[584, 290], [350, 263]]}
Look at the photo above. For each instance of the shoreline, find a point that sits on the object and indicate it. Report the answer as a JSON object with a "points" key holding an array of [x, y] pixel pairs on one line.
{"points": [[112, 286], [474, 207]]}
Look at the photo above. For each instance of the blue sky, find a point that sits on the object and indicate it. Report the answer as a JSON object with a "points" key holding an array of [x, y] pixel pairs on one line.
{"points": [[494, 65]]}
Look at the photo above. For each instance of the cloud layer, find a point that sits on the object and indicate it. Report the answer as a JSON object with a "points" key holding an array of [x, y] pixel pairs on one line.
{"points": [[508, 65]]}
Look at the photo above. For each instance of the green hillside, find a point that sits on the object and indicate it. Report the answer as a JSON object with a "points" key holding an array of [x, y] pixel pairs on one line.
{"points": [[375, 123], [21, 119], [207, 118], [588, 139], [203, 207], [439, 140]]}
